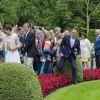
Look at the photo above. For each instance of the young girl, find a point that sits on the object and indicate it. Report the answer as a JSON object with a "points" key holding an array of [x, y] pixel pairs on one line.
{"points": [[11, 44]]}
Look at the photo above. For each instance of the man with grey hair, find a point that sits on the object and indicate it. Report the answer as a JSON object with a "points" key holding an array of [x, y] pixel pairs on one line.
{"points": [[97, 48]]}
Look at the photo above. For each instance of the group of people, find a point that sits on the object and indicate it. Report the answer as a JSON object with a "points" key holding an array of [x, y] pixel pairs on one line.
{"points": [[42, 50]]}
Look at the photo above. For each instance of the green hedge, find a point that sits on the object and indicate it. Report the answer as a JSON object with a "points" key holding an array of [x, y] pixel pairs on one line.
{"points": [[91, 35], [18, 82]]}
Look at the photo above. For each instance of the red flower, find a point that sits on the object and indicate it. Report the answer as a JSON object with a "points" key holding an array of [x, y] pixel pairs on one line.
{"points": [[50, 82]]}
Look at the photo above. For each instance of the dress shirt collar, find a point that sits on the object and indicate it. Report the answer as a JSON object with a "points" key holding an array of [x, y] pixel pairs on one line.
{"points": [[72, 37], [27, 33]]}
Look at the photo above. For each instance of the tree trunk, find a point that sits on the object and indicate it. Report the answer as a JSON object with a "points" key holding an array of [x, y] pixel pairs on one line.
{"points": [[88, 17], [88, 24]]}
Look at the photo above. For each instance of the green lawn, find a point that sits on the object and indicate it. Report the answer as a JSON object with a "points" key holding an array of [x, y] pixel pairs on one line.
{"points": [[82, 91]]}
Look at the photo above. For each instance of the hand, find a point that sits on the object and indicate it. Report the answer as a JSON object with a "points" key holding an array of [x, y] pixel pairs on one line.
{"points": [[93, 49], [12, 49], [79, 56], [58, 55], [55, 47], [61, 55], [0, 49]]}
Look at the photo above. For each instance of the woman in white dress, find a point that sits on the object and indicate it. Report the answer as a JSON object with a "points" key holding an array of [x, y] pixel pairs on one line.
{"points": [[11, 44], [86, 48]]}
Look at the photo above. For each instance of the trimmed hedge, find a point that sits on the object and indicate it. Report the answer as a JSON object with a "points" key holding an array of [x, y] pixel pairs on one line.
{"points": [[18, 82]]}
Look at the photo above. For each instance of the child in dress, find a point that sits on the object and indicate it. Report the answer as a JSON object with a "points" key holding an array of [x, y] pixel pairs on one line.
{"points": [[11, 44]]}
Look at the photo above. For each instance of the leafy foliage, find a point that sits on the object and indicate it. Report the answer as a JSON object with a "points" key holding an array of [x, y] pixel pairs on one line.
{"points": [[18, 82], [91, 35], [50, 13]]}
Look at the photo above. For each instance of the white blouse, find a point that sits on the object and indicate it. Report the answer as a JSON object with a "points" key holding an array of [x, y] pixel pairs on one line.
{"points": [[12, 41], [86, 48]]}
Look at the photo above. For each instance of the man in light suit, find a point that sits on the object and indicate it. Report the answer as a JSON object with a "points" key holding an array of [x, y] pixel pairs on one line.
{"points": [[67, 47], [97, 48], [30, 49]]}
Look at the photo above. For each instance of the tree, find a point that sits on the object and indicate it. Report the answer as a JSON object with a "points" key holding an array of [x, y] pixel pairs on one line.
{"points": [[88, 8], [8, 11], [82, 14], [63, 13]]}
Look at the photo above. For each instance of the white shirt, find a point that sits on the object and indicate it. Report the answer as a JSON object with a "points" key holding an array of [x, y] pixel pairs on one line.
{"points": [[27, 34], [72, 42]]}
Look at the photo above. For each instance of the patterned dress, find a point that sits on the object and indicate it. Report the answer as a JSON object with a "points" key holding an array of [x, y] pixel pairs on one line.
{"points": [[11, 41]]}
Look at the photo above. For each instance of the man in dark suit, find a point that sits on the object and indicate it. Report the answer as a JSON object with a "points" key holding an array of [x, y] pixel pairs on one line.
{"points": [[67, 47], [29, 45], [97, 48]]}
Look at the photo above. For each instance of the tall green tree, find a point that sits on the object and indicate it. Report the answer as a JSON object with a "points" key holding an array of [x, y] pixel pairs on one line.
{"points": [[88, 8], [82, 14], [8, 11]]}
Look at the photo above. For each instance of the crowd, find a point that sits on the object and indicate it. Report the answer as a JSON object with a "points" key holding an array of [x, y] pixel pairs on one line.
{"points": [[42, 49]]}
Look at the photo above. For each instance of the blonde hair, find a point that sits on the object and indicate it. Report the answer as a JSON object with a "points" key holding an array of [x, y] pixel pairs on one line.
{"points": [[66, 32]]}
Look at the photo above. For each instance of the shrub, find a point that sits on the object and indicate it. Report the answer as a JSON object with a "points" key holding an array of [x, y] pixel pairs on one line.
{"points": [[91, 35], [18, 82], [79, 69]]}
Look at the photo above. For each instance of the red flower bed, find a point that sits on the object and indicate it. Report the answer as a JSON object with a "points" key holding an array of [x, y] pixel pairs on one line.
{"points": [[50, 82], [91, 74]]}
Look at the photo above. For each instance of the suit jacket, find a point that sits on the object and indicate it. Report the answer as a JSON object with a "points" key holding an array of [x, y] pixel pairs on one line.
{"points": [[65, 47], [29, 45], [97, 46]]}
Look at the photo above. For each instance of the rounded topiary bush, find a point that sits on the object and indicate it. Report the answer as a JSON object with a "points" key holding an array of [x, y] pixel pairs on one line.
{"points": [[18, 82]]}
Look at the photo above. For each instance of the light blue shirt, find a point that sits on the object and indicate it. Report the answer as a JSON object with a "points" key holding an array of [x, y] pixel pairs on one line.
{"points": [[97, 37], [72, 42]]}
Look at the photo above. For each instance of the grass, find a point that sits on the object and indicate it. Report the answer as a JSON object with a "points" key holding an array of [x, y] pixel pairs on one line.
{"points": [[83, 91]]}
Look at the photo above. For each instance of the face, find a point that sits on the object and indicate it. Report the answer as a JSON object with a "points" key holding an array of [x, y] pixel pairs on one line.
{"points": [[48, 36], [82, 37], [74, 33], [52, 35], [59, 35], [40, 33], [7, 32], [36, 35], [96, 33], [22, 30], [26, 28]]}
